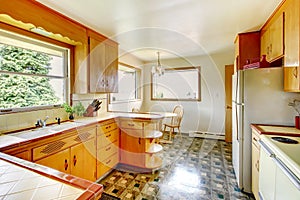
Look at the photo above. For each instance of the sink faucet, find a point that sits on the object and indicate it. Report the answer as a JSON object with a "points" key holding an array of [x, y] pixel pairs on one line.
{"points": [[41, 123]]}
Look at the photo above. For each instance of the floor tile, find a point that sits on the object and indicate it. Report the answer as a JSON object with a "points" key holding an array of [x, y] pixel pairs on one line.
{"points": [[193, 168]]}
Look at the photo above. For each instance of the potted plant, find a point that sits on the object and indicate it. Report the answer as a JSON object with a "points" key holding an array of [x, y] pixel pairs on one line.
{"points": [[77, 109]]}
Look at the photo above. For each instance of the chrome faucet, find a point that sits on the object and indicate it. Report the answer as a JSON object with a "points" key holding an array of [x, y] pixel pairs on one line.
{"points": [[41, 123]]}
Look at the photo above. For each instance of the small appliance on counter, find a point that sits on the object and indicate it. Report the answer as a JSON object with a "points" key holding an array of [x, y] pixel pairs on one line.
{"points": [[91, 110]]}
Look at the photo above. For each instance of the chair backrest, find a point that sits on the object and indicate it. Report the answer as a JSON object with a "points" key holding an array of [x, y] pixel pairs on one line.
{"points": [[135, 110], [178, 110]]}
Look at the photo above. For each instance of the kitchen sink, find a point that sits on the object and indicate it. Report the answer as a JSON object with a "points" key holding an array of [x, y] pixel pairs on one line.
{"points": [[43, 131], [285, 140]]}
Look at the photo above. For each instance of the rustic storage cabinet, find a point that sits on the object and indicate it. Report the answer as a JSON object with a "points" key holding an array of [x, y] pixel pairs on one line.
{"points": [[107, 147], [71, 155], [247, 49], [137, 143], [272, 40], [103, 64], [292, 45]]}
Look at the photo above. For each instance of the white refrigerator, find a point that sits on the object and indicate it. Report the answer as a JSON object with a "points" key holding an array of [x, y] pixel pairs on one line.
{"points": [[257, 97]]}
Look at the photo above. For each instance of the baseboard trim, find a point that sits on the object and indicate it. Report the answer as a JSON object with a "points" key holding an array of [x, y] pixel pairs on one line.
{"points": [[208, 135]]}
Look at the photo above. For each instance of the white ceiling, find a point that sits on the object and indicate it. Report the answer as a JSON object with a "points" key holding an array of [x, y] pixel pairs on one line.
{"points": [[174, 27]]}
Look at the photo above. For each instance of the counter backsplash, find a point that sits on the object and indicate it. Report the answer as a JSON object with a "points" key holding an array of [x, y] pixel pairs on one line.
{"points": [[17, 121]]}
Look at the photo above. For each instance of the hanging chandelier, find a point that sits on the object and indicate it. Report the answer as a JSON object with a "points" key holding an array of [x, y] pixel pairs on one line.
{"points": [[158, 69]]}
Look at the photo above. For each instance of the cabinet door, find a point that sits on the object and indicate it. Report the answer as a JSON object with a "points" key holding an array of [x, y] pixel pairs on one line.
{"points": [[291, 79], [59, 161], [255, 170], [132, 150], [291, 39], [83, 160], [264, 43], [96, 65], [276, 38], [111, 70]]}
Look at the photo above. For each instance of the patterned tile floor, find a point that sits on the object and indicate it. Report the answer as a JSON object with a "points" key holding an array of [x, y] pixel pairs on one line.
{"points": [[193, 168]]}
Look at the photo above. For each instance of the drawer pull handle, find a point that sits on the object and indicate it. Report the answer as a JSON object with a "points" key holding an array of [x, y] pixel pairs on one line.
{"points": [[108, 135], [108, 148], [108, 161], [107, 127], [74, 160], [66, 165], [131, 125]]}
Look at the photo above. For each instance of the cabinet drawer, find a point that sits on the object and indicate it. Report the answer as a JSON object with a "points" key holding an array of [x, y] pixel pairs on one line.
{"points": [[130, 124], [106, 165], [80, 135], [107, 151], [151, 126], [107, 127], [107, 138]]}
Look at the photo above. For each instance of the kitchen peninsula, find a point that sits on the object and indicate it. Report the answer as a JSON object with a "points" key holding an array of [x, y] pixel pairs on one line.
{"points": [[98, 143]]}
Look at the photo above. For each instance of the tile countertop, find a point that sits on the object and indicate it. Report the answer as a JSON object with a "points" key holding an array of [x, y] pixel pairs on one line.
{"points": [[276, 130], [20, 179]]}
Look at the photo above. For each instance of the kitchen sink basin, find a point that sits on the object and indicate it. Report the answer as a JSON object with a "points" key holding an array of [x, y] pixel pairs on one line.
{"points": [[285, 140], [43, 131]]}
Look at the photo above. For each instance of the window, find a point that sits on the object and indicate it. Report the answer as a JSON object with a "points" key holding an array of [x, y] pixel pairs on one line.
{"points": [[32, 73], [129, 78], [177, 84]]}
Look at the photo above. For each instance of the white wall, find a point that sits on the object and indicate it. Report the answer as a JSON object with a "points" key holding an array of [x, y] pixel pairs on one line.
{"points": [[207, 115]]}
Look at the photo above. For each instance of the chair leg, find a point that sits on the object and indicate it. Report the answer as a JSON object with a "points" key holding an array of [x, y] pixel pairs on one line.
{"points": [[179, 131], [170, 134]]}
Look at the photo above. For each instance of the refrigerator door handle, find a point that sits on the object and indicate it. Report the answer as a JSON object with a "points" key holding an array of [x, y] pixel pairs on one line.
{"points": [[236, 123]]}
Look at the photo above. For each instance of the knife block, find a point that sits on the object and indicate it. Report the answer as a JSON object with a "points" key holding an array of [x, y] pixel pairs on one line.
{"points": [[90, 112]]}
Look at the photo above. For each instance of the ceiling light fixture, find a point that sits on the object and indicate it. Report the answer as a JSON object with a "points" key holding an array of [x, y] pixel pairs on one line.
{"points": [[158, 69]]}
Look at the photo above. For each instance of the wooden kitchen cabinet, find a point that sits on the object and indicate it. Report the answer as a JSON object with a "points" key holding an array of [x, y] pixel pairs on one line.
{"points": [[255, 163], [103, 64], [137, 143], [74, 154], [292, 45], [83, 160], [107, 147], [272, 39], [247, 49], [59, 161]]}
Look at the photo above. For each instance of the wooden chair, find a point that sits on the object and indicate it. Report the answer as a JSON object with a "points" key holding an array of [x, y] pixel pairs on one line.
{"points": [[175, 121], [135, 110]]}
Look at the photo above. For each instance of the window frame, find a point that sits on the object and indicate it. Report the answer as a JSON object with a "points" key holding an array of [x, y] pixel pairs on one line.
{"points": [[178, 99], [137, 86], [36, 39]]}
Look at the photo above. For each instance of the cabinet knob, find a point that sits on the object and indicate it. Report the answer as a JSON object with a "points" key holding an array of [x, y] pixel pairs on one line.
{"points": [[74, 160], [66, 165]]}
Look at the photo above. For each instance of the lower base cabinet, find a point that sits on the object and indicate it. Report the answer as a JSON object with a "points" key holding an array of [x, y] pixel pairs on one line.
{"points": [[78, 160], [59, 161]]}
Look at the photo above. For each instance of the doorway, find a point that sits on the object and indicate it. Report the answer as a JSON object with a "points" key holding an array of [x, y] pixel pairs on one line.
{"points": [[228, 102]]}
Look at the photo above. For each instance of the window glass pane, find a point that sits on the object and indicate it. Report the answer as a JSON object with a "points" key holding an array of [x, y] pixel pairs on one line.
{"points": [[29, 77], [177, 84], [127, 77]]}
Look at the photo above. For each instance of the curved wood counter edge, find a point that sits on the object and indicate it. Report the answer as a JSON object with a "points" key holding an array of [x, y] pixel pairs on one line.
{"points": [[263, 132], [91, 190]]}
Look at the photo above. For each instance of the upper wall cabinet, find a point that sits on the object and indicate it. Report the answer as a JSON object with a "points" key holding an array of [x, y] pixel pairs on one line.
{"points": [[103, 64], [247, 49], [272, 39], [292, 45]]}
